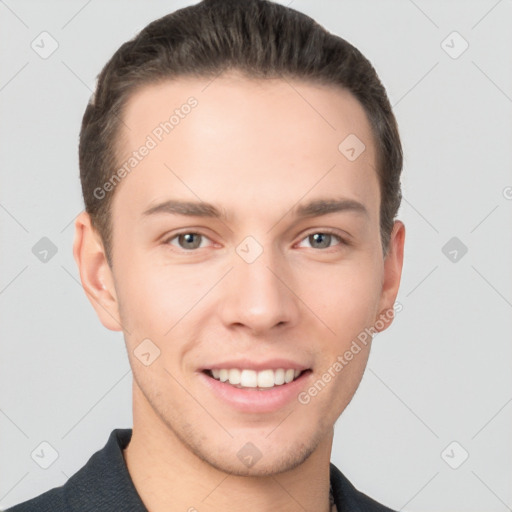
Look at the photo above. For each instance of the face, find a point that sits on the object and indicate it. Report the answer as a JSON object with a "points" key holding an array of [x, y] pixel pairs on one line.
{"points": [[269, 274]]}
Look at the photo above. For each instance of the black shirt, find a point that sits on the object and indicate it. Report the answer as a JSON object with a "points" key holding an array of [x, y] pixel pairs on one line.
{"points": [[104, 485]]}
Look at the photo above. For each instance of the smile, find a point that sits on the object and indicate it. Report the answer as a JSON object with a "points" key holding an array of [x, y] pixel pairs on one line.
{"points": [[262, 380]]}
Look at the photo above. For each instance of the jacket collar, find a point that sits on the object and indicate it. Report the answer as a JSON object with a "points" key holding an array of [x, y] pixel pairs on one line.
{"points": [[105, 483]]}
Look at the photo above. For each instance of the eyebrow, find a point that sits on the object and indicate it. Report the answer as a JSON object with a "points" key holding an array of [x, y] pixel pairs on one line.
{"points": [[314, 208]]}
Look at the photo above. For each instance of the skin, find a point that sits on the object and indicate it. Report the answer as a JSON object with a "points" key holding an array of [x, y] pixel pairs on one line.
{"points": [[256, 149]]}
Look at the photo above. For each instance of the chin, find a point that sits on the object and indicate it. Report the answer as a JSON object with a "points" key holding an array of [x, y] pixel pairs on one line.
{"points": [[279, 461]]}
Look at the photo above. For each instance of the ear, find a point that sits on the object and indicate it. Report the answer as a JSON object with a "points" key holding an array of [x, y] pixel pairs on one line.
{"points": [[95, 273], [391, 279]]}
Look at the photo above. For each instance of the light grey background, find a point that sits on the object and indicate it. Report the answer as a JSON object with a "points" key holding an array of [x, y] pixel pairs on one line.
{"points": [[440, 374]]}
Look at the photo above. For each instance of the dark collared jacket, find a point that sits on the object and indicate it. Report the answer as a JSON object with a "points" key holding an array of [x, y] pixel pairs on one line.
{"points": [[104, 485]]}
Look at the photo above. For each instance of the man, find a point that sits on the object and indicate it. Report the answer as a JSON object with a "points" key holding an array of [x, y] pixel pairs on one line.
{"points": [[241, 175]]}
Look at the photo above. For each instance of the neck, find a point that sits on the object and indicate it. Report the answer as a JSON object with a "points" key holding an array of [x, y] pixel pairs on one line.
{"points": [[169, 477]]}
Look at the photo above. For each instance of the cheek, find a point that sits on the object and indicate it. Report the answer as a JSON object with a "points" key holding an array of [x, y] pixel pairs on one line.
{"points": [[155, 297], [344, 296]]}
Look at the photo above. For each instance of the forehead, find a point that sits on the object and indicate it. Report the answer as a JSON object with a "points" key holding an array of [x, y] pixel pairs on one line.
{"points": [[262, 105], [246, 138]]}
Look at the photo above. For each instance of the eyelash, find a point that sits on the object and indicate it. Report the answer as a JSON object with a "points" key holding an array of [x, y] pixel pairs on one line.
{"points": [[343, 242]]}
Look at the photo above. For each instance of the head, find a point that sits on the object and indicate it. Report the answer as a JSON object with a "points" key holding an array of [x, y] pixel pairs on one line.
{"points": [[252, 111]]}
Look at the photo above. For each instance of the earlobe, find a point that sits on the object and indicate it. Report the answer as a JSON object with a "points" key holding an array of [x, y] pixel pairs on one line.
{"points": [[393, 264], [95, 273]]}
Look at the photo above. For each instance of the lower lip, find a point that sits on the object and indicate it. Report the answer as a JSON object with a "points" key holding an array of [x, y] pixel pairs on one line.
{"points": [[254, 400]]}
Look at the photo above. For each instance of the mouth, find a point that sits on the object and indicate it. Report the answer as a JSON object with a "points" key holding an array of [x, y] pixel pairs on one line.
{"points": [[262, 380], [256, 387]]}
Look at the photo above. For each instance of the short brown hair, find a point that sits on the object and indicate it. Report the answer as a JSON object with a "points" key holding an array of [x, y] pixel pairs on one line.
{"points": [[257, 37]]}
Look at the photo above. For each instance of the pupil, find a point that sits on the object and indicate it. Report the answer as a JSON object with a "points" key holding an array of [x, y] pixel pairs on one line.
{"points": [[188, 237], [318, 239]]}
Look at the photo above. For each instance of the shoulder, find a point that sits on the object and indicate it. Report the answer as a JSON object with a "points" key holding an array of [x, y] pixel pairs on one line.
{"points": [[102, 485], [50, 501], [348, 498]]}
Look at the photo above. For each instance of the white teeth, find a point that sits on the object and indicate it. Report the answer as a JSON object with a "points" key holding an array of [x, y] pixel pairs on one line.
{"points": [[266, 379], [249, 379], [279, 377], [253, 379], [234, 376], [288, 376]]}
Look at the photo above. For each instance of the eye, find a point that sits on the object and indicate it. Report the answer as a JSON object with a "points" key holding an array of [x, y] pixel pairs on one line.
{"points": [[323, 239], [188, 240]]}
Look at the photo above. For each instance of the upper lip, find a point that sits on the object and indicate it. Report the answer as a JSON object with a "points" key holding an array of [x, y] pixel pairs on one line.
{"points": [[251, 364]]}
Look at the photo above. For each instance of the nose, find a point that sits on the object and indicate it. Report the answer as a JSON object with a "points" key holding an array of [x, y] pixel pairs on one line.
{"points": [[259, 295]]}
